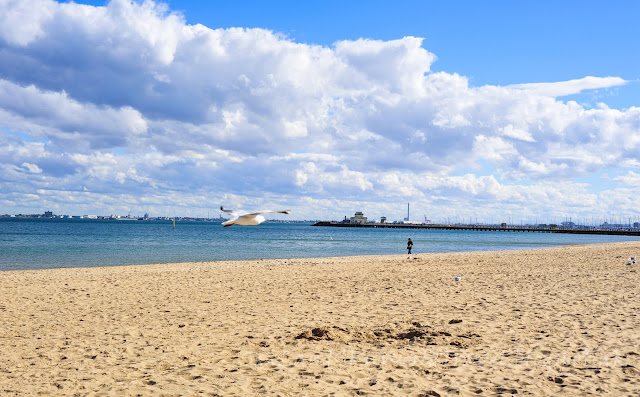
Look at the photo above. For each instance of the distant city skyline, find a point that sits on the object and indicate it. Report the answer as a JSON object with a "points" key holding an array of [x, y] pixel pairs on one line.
{"points": [[358, 217], [493, 111]]}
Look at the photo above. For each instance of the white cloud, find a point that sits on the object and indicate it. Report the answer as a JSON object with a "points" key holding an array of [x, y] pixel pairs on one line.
{"points": [[295, 129], [62, 120], [395, 66], [21, 20], [32, 168], [134, 105], [630, 179], [494, 149], [564, 88], [516, 133]]}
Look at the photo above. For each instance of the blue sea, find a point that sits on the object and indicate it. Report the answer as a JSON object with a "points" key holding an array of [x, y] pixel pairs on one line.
{"points": [[29, 243]]}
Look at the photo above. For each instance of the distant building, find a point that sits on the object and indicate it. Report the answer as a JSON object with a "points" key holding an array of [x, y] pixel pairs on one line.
{"points": [[383, 219], [48, 214], [613, 226], [358, 218]]}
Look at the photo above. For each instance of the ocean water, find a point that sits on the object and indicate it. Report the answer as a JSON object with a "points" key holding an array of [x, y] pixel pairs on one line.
{"points": [[58, 243]]}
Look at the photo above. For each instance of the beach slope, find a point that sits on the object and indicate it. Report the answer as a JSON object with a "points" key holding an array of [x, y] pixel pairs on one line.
{"points": [[558, 321]]}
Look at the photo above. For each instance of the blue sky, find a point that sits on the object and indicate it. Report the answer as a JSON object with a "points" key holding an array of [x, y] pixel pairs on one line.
{"points": [[489, 110], [492, 42]]}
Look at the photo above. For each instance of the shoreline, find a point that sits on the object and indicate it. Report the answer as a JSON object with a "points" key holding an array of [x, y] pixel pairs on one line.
{"points": [[381, 256], [538, 321]]}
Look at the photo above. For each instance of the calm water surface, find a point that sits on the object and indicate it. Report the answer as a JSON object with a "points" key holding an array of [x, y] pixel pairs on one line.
{"points": [[55, 243]]}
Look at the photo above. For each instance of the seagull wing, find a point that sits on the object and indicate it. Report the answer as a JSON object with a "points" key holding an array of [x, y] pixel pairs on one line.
{"points": [[267, 212], [234, 214]]}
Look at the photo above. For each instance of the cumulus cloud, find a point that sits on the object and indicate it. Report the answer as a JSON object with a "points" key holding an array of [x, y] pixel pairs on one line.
{"points": [[631, 179], [127, 105], [66, 120], [516, 133], [22, 20]]}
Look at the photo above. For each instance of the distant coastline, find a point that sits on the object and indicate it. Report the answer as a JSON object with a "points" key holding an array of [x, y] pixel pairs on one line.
{"points": [[145, 217]]}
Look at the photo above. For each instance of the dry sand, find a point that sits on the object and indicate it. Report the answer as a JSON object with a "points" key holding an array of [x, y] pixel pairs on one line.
{"points": [[561, 321]]}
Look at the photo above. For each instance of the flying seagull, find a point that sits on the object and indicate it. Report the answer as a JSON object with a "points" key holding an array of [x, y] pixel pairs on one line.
{"points": [[239, 217]]}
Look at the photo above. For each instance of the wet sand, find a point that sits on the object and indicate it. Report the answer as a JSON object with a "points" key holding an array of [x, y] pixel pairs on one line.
{"points": [[559, 321]]}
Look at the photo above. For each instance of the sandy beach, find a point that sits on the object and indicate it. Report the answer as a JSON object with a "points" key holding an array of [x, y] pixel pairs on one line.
{"points": [[559, 321]]}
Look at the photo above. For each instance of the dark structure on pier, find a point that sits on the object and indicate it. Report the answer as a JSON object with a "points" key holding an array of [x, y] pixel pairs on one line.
{"points": [[489, 228]]}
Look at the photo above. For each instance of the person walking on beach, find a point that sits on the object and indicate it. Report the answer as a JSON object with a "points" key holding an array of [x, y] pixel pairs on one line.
{"points": [[409, 245]]}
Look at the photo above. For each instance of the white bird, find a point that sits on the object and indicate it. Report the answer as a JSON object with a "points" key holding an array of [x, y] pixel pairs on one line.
{"points": [[458, 278], [239, 217]]}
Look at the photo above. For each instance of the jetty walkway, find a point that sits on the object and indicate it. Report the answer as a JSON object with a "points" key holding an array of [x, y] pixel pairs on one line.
{"points": [[488, 228]]}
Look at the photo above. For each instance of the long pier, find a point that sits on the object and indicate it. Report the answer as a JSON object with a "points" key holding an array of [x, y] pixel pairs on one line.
{"points": [[487, 228]]}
